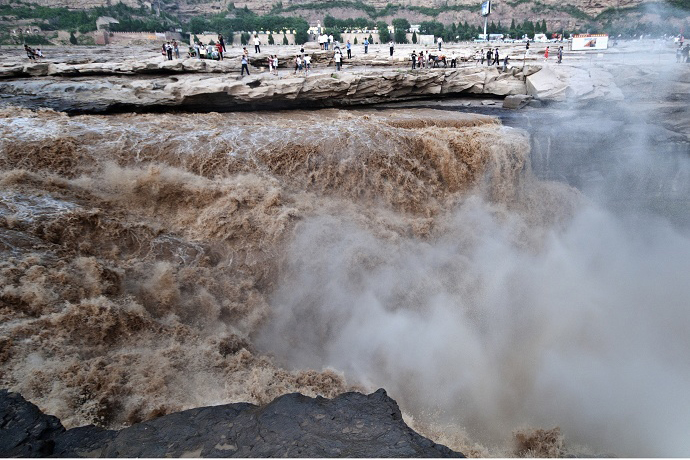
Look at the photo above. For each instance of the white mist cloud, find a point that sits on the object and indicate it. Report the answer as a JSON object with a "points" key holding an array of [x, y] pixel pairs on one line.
{"points": [[590, 332]]}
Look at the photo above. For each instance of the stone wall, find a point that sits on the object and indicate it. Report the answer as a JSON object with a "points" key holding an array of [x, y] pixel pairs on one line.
{"points": [[236, 39], [133, 38]]}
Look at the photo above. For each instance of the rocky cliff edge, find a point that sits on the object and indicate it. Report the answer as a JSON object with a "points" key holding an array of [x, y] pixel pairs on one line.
{"points": [[293, 425]]}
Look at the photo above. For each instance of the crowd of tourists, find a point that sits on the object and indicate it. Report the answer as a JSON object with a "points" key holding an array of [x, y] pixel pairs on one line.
{"points": [[169, 48]]}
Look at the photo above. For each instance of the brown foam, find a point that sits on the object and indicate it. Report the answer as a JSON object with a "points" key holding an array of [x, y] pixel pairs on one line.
{"points": [[140, 251]]}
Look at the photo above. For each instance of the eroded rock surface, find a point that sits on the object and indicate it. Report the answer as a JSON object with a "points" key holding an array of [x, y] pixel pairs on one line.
{"points": [[206, 92], [293, 425]]}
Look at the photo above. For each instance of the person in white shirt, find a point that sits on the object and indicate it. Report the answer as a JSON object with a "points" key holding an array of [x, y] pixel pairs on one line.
{"points": [[257, 42], [440, 41], [307, 64], [337, 57]]}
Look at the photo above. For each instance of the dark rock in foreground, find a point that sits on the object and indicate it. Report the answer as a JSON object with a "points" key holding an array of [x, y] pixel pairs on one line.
{"points": [[350, 425]]}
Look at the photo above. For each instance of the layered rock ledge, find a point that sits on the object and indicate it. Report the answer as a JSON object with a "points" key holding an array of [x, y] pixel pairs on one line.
{"points": [[156, 84], [293, 425], [204, 92]]}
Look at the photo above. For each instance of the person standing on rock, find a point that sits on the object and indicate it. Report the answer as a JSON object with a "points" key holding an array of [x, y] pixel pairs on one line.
{"points": [[275, 63], [176, 48], [307, 64], [257, 44], [546, 54], [414, 59], [366, 46], [30, 53], [440, 42], [330, 40], [489, 57], [349, 49], [496, 58], [222, 42], [337, 57], [169, 50], [391, 45], [245, 65], [196, 50], [527, 48], [481, 53], [219, 47], [560, 55], [505, 63]]}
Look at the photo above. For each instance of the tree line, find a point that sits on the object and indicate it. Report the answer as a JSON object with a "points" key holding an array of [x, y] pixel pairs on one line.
{"points": [[462, 31]]}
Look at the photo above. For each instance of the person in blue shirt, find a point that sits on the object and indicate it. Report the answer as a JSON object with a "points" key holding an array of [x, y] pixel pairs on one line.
{"points": [[244, 65], [349, 50], [366, 45]]}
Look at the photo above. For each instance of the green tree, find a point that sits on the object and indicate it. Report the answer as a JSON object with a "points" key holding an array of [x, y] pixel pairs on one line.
{"points": [[354, 42], [336, 34], [198, 24], [301, 36], [401, 27], [414, 37], [221, 25], [543, 26], [285, 40], [270, 39], [72, 38], [329, 21], [384, 34], [431, 28], [371, 39], [401, 23]]}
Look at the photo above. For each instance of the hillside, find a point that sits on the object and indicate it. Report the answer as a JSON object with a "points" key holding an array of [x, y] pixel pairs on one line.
{"points": [[627, 17]]}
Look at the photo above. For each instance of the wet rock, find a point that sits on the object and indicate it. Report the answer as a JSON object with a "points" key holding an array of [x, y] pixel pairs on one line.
{"points": [[545, 84], [25, 431], [293, 425], [560, 83], [516, 101]]}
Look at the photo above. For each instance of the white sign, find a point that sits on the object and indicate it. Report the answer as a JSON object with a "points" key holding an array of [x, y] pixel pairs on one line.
{"points": [[486, 8], [590, 42], [425, 39]]}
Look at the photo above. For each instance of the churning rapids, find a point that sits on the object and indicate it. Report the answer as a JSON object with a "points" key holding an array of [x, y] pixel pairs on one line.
{"points": [[158, 262]]}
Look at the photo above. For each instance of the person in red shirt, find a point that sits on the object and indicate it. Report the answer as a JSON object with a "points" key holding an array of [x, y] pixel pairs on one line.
{"points": [[546, 53], [219, 47]]}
